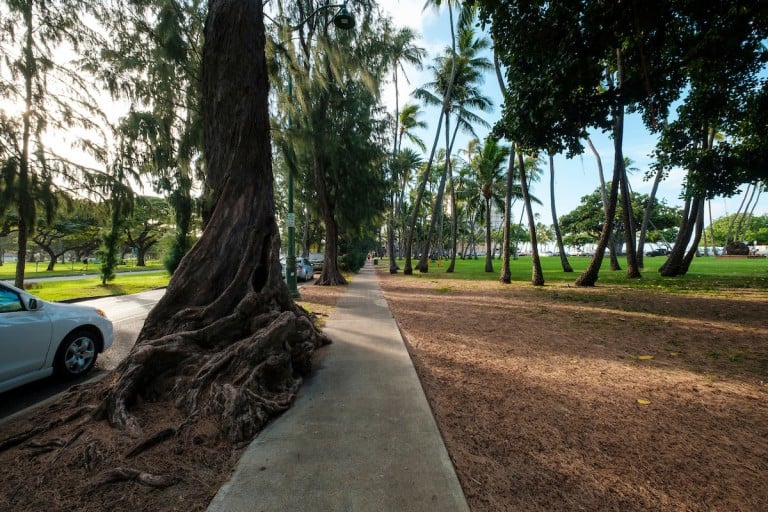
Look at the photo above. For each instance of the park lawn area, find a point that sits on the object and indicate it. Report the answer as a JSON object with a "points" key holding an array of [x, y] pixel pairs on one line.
{"points": [[128, 280], [90, 287], [639, 395], [38, 270], [705, 273]]}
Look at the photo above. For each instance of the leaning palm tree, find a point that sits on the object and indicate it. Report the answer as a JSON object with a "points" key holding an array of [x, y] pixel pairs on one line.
{"points": [[555, 223], [466, 68], [402, 50], [447, 92]]}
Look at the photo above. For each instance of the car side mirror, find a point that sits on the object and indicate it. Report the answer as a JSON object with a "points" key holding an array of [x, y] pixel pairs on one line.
{"points": [[33, 305]]}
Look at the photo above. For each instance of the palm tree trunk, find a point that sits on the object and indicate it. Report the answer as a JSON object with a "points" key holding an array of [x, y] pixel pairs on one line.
{"points": [[590, 275], [696, 238], [675, 266], [614, 260], [537, 276], [647, 217], [555, 223], [423, 264], [488, 248], [454, 222], [506, 273]]}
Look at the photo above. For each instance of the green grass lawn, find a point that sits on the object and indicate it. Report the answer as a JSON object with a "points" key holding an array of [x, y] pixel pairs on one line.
{"points": [[130, 279], [35, 270], [123, 284], [706, 273]]}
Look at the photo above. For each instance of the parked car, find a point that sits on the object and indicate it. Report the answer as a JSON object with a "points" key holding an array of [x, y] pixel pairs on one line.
{"points": [[39, 338], [304, 269], [317, 259]]}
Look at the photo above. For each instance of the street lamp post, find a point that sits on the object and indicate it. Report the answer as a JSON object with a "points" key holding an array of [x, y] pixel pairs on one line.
{"points": [[290, 220], [342, 20]]}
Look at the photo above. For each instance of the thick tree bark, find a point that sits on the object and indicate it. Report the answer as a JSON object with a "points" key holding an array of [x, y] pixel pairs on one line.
{"points": [[226, 341]]}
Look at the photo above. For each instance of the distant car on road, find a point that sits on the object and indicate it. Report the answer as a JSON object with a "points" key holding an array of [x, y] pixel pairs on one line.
{"points": [[660, 251], [39, 338]]}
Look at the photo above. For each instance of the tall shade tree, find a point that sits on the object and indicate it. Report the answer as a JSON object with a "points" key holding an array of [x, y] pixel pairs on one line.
{"points": [[332, 73], [226, 347], [146, 225], [226, 309], [152, 61], [48, 94], [76, 229], [618, 57]]}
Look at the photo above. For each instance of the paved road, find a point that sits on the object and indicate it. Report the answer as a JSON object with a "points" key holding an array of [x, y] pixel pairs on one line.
{"points": [[127, 313]]}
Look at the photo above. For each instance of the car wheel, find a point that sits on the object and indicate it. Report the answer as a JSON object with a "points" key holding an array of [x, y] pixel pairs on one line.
{"points": [[76, 355]]}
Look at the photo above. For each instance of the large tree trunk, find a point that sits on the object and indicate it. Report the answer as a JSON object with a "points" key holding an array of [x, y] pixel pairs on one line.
{"points": [[613, 256], [226, 341], [692, 212]]}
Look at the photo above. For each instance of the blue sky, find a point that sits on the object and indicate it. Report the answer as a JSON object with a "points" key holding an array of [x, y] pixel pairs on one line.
{"points": [[575, 177]]}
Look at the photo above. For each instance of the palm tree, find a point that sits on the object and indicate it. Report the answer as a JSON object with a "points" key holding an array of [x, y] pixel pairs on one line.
{"points": [[466, 69], [402, 166], [401, 51], [488, 165], [445, 102], [409, 122]]}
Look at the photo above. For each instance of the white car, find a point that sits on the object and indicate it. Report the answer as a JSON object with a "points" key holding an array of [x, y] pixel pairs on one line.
{"points": [[39, 338]]}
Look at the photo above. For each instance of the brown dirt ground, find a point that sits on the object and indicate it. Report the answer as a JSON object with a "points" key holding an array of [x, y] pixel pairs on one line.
{"points": [[536, 391], [548, 400]]}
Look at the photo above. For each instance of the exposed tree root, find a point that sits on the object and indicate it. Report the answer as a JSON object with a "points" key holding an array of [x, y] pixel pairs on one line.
{"points": [[148, 443], [121, 474], [20, 438]]}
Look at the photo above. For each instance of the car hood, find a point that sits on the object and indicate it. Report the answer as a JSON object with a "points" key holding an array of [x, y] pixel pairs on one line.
{"points": [[65, 310]]}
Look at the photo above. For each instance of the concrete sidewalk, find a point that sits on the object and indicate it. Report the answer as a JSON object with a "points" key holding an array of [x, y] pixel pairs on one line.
{"points": [[360, 436]]}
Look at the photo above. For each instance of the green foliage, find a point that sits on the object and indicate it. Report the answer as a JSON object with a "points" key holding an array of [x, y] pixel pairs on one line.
{"points": [[354, 253], [608, 56], [585, 222], [755, 228]]}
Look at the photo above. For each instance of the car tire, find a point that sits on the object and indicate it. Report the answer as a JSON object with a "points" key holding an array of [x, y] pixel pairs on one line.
{"points": [[76, 355]]}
